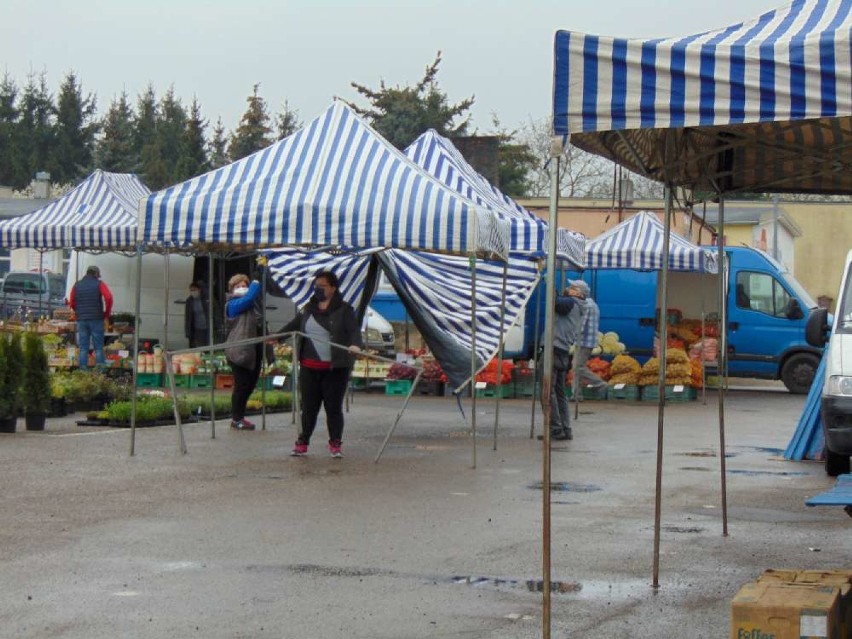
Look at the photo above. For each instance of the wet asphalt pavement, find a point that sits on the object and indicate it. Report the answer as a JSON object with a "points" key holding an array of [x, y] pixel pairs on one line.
{"points": [[237, 539]]}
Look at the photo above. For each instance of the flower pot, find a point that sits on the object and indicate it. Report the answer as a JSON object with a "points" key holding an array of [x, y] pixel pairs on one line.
{"points": [[58, 407], [35, 421], [8, 424]]}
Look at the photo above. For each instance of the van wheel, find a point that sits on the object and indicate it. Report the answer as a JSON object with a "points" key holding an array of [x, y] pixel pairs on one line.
{"points": [[836, 464], [798, 372]]}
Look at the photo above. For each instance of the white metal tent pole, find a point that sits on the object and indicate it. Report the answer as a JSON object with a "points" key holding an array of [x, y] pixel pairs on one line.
{"points": [[211, 331], [473, 356], [262, 351], [546, 381], [500, 351], [535, 348], [661, 385], [166, 263], [722, 356], [137, 325]]}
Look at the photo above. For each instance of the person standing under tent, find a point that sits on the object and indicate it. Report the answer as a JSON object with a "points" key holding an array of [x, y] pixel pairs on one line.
{"points": [[567, 324], [195, 321], [587, 341], [91, 301], [324, 369], [244, 322]]}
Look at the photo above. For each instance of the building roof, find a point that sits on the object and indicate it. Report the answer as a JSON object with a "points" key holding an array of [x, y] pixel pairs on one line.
{"points": [[15, 206], [749, 215]]}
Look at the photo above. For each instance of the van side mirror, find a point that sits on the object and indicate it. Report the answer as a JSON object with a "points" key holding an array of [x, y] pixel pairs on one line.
{"points": [[816, 330]]}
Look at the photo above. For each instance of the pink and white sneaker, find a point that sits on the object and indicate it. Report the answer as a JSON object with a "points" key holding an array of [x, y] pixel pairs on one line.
{"points": [[335, 447], [299, 450]]}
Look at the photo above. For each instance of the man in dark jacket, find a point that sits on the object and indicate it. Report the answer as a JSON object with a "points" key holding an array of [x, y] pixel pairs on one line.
{"points": [[91, 300], [195, 319]]}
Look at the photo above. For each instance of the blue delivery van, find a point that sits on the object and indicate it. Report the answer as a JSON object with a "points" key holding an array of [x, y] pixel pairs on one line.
{"points": [[767, 314]]}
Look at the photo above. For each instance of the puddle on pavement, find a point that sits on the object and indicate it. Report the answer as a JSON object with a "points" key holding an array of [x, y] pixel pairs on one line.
{"points": [[683, 529], [566, 487], [317, 571], [705, 453], [755, 473], [531, 585], [699, 468], [776, 452]]}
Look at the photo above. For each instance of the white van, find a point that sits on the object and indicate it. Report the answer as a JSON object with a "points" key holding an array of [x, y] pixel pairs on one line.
{"points": [[836, 408]]}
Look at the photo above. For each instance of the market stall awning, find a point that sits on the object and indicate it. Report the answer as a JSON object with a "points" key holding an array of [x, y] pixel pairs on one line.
{"points": [[99, 213], [336, 182], [435, 289], [637, 243], [763, 105], [528, 233]]}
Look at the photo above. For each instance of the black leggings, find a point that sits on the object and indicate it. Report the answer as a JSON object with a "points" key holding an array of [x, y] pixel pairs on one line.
{"points": [[322, 388], [245, 380]]}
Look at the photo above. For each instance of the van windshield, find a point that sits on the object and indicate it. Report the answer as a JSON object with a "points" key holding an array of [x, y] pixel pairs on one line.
{"points": [[57, 285], [800, 292]]}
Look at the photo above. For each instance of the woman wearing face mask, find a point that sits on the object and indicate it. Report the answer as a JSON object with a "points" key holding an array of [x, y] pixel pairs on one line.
{"points": [[244, 323], [324, 369]]}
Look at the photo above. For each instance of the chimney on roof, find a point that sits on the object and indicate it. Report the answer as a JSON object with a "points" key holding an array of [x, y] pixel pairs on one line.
{"points": [[41, 186]]}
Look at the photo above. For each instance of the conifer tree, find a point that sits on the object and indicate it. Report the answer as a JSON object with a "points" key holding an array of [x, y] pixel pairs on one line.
{"points": [[254, 131], [72, 153], [218, 146], [116, 150], [287, 121], [34, 133], [193, 152], [8, 121]]}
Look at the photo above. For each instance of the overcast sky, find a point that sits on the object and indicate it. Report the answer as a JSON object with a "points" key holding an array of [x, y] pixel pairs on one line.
{"points": [[308, 51]]}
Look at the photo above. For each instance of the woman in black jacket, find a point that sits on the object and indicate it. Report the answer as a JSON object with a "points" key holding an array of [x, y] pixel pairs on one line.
{"points": [[324, 369]]}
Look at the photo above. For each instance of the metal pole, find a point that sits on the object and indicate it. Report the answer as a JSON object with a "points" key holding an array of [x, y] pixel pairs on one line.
{"points": [[170, 374], [166, 292], [500, 350], [137, 327], [263, 353], [398, 417], [661, 386], [775, 252], [535, 349], [294, 377], [473, 356], [723, 359], [212, 332], [546, 381]]}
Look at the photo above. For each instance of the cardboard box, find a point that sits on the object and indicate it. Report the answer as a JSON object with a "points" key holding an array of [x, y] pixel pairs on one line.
{"points": [[775, 610], [842, 578]]}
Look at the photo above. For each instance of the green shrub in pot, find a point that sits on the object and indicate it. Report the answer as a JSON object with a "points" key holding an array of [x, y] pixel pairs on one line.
{"points": [[36, 390]]}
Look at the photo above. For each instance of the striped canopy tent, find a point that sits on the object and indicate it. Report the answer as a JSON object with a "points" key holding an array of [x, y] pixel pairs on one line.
{"points": [[764, 105], [435, 289], [759, 106], [334, 183], [637, 243], [99, 213], [528, 233]]}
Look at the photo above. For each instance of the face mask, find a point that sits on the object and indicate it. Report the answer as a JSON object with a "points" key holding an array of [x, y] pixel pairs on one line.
{"points": [[195, 294], [240, 290], [319, 293]]}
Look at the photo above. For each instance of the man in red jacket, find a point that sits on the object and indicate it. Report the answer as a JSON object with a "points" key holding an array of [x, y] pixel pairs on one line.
{"points": [[91, 300]]}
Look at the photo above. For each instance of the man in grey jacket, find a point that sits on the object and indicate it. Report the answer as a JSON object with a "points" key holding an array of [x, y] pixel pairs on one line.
{"points": [[567, 324]]}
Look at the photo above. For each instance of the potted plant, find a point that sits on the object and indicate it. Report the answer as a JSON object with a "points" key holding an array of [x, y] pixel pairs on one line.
{"points": [[10, 381], [36, 387]]}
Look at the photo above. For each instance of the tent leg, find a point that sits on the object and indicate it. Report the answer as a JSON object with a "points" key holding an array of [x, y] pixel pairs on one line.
{"points": [[263, 355], [473, 356], [661, 405], [166, 302], [723, 360], [546, 382], [170, 373], [136, 329], [211, 326], [500, 351], [398, 417]]}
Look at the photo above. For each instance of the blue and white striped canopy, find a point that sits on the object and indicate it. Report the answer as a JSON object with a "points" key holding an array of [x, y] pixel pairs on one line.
{"points": [[439, 157], [776, 90], [336, 182], [294, 271], [637, 243], [99, 213], [437, 287]]}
